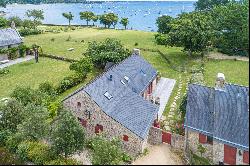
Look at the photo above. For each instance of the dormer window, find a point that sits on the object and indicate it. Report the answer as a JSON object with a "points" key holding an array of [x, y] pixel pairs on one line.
{"points": [[126, 78], [107, 95]]}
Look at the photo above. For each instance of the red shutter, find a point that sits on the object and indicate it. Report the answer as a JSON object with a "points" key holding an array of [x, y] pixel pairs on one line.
{"points": [[125, 138], [97, 129], [246, 157], [229, 155], [84, 122], [202, 138]]}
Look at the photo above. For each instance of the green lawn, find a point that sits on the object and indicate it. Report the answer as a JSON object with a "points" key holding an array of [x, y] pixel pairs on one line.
{"points": [[32, 74], [236, 72]]}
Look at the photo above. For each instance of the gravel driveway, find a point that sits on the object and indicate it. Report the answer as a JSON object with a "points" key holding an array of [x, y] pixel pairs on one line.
{"points": [[159, 155]]}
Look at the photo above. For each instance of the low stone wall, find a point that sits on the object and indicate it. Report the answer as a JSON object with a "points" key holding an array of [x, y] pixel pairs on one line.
{"points": [[155, 136], [177, 141], [58, 58]]}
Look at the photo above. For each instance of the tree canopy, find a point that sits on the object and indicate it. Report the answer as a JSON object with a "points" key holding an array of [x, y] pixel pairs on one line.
{"points": [[109, 50], [163, 24], [68, 16], [209, 4], [87, 15], [124, 22]]}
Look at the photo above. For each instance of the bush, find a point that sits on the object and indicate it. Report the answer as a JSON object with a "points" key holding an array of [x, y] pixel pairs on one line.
{"points": [[83, 66], [4, 134], [37, 152], [161, 39], [13, 53], [22, 50], [47, 88], [4, 71], [53, 108], [62, 161], [28, 31], [13, 141]]}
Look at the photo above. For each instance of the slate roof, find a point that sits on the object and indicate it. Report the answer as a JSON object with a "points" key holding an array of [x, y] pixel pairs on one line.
{"points": [[127, 106], [9, 36], [221, 114]]}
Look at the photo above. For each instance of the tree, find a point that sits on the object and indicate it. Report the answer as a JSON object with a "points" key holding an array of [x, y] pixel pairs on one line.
{"points": [[83, 66], [232, 28], [35, 123], [193, 31], [17, 20], [95, 18], [3, 3], [11, 115], [163, 24], [37, 16], [124, 22], [3, 22], [68, 16], [108, 19], [109, 50], [87, 15], [67, 134], [27, 24], [106, 152], [26, 95], [209, 4]]}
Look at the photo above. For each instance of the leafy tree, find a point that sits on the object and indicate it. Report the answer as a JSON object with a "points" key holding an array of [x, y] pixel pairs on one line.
{"points": [[11, 115], [124, 22], [26, 95], [106, 152], [47, 88], [193, 31], [163, 24], [68, 16], [3, 22], [35, 124], [3, 3], [17, 20], [209, 4], [108, 19], [83, 66], [109, 50], [67, 134], [37, 16], [232, 28], [87, 15], [95, 18]]}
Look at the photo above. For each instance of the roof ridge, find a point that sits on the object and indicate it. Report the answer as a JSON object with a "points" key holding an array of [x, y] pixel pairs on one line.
{"points": [[237, 85]]}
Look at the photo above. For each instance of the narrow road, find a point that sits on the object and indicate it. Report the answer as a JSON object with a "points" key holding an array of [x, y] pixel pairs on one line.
{"points": [[159, 155], [16, 61]]}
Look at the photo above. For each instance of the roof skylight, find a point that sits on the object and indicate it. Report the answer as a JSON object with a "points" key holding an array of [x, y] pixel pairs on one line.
{"points": [[126, 78], [107, 95]]}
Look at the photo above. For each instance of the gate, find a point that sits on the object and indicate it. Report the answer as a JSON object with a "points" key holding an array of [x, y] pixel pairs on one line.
{"points": [[166, 137]]}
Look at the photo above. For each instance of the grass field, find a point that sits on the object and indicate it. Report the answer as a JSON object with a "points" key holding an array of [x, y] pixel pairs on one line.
{"points": [[32, 74]]}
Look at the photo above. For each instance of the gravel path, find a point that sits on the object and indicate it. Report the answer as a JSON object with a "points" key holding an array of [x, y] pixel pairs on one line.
{"points": [[159, 155], [16, 61]]}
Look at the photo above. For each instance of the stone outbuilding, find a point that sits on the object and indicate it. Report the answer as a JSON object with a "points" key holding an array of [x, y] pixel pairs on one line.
{"points": [[119, 103], [217, 118]]}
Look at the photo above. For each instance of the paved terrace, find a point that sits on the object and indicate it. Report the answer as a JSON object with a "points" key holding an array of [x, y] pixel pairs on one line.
{"points": [[16, 61], [163, 90]]}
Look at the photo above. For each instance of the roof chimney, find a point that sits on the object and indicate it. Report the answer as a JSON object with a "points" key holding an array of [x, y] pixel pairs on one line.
{"points": [[136, 51], [220, 82]]}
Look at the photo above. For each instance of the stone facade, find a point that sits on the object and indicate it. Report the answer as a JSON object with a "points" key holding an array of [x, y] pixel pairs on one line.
{"points": [[177, 141], [214, 152], [155, 136], [81, 101]]}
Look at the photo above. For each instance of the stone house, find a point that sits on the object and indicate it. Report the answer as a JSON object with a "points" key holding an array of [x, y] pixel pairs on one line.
{"points": [[218, 119], [9, 38], [115, 104]]}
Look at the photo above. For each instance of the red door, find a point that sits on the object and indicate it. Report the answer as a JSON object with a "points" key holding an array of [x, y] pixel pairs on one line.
{"points": [[166, 137], [229, 155]]}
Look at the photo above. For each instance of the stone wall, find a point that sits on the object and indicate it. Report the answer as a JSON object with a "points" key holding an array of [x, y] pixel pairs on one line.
{"points": [[111, 128], [155, 136], [214, 153], [177, 141]]}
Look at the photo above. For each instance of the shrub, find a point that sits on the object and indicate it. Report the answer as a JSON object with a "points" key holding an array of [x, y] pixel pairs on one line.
{"points": [[62, 161], [4, 134], [136, 44], [83, 66], [160, 39], [47, 88], [13, 53], [4, 71], [27, 31], [53, 108], [22, 150], [53, 39], [13, 141]]}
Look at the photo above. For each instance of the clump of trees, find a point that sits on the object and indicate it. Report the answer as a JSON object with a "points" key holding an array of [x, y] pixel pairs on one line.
{"points": [[218, 24]]}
